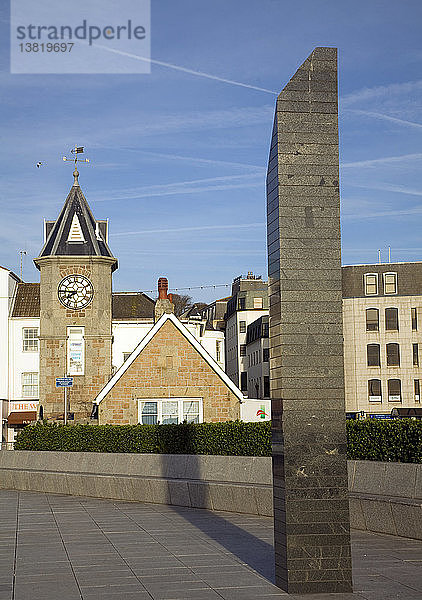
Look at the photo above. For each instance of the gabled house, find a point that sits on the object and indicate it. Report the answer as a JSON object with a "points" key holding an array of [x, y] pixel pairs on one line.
{"points": [[168, 378]]}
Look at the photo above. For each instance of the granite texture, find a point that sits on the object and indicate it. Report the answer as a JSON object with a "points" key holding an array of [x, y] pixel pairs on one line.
{"points": [[311, 507]]}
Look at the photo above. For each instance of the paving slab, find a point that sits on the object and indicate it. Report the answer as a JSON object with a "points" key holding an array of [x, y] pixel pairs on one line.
{"points": [[72, 548]]}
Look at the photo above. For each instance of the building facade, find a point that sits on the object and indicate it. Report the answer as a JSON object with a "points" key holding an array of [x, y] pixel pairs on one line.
{"points": [[382, 319], [258, 356], [248, 302]]}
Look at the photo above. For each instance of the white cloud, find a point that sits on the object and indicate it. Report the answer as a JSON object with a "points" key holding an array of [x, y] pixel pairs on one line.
{"points": [[183, 187], [184, 229], [387, 160], [380, 92], [377, 115]]}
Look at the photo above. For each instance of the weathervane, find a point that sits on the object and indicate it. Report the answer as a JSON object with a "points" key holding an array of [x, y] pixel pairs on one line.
{"points": [[76, 150]]}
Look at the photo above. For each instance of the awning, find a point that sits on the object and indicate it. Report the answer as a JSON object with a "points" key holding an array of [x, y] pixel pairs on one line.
{"points": [[407, 412], [22, 418]]}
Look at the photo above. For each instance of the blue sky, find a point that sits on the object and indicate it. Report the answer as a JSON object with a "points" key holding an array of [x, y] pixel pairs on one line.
{"points": [[178, 160]]}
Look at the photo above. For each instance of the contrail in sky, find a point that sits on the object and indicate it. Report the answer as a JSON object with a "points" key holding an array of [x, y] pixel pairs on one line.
{"points": [[180, 229], [185, 70]]}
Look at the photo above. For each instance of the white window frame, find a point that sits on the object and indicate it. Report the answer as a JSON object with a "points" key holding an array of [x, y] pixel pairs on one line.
{"points": [[258, 302], [75, 351], [395, 284], [32, 384], [375, 398], [159, 401], [365, 283], [33, 340]]}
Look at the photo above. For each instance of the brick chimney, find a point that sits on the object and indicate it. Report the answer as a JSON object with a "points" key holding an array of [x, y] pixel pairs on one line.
{"points": [[164, 302]]}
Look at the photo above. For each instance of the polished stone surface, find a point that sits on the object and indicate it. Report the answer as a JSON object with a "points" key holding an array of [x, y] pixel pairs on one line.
{"points": [[311, 512], [71, 548]]}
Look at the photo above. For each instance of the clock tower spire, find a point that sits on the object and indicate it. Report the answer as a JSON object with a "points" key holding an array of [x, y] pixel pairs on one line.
{"points": [[76, 267]]}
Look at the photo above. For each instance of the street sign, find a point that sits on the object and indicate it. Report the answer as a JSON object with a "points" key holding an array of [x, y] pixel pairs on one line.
{"points": [[64, 381]]}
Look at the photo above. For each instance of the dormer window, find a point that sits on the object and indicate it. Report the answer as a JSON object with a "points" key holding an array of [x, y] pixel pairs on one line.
{"points": [[75, 231], [390, 283], [371, 284]]}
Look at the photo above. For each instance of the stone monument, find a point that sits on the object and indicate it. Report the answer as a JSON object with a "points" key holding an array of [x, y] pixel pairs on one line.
{"points": [[311, 512]]}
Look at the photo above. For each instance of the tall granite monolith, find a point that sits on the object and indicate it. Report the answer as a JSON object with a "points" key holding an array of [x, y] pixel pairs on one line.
{"points": [[311, 512]]}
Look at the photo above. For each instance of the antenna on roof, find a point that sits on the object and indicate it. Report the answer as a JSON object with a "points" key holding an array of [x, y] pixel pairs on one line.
{"points": [[76, 150], [379, 256], [389, 254], [22, 253]]}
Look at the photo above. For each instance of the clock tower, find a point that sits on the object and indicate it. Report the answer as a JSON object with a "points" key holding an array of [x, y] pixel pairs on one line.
{"points": [[76, 267]]}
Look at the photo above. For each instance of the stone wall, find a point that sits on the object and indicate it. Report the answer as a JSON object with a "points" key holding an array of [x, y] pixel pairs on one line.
{"points": [[384, 497], [168, 367]]}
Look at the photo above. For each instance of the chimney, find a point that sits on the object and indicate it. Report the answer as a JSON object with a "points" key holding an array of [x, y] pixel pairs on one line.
{"points": [[164, 302]]}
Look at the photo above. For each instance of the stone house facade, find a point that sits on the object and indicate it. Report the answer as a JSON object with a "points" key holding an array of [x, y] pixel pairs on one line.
{"points": [[169, 378]]}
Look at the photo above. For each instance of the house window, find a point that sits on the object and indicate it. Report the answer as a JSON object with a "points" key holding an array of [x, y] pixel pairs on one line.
{"points": [[265, 355], [372, 319], [242, 349], [371, 284], [394, 390], [75, 350], [417, 388], [416, 355], [30, 339], [393, 355], [392, 319], [218, 351], [374, 390], [191, 411], [414, 315], [257, 302], [390, 283], [266, 386], [29, 385], [170, 411], [242, 326], [148, 413], [244, 381], [373, 355], [265, 329], [242, 303]]}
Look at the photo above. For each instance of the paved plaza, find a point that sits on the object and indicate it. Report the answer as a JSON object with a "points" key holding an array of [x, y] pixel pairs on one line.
{"points": [[70, 548]]}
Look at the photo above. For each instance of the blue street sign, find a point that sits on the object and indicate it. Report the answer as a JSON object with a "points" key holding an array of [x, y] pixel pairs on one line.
{"points": [[64, 381], [380, 416]]}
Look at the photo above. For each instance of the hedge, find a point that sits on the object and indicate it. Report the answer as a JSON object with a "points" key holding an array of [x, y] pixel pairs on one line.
{"points": [[231, 438], [398, 440], [389, 440]]}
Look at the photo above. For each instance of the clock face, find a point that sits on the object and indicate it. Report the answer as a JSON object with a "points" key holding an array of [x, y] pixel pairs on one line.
{"points": [[75, 292]]}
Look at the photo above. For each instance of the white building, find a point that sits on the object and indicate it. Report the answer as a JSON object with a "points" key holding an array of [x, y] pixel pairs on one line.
{"points": [[8, 283], [248, 302], [258, 357], [382, 323]]}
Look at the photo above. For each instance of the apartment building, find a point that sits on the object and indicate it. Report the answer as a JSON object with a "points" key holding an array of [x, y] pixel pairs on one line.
{"points": [[258, 358], [382, 319], [248, 302]]}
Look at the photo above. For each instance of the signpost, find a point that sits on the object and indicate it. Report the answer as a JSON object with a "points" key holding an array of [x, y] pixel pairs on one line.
{"points": [[64, 382]]}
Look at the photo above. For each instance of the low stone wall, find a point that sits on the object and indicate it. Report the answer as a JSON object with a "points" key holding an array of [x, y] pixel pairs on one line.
{"points": [[384, 497], [232, 483]]}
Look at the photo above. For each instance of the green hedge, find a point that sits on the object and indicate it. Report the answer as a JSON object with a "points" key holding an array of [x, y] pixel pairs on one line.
{"points": [[232, 438], [393, 440]]}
